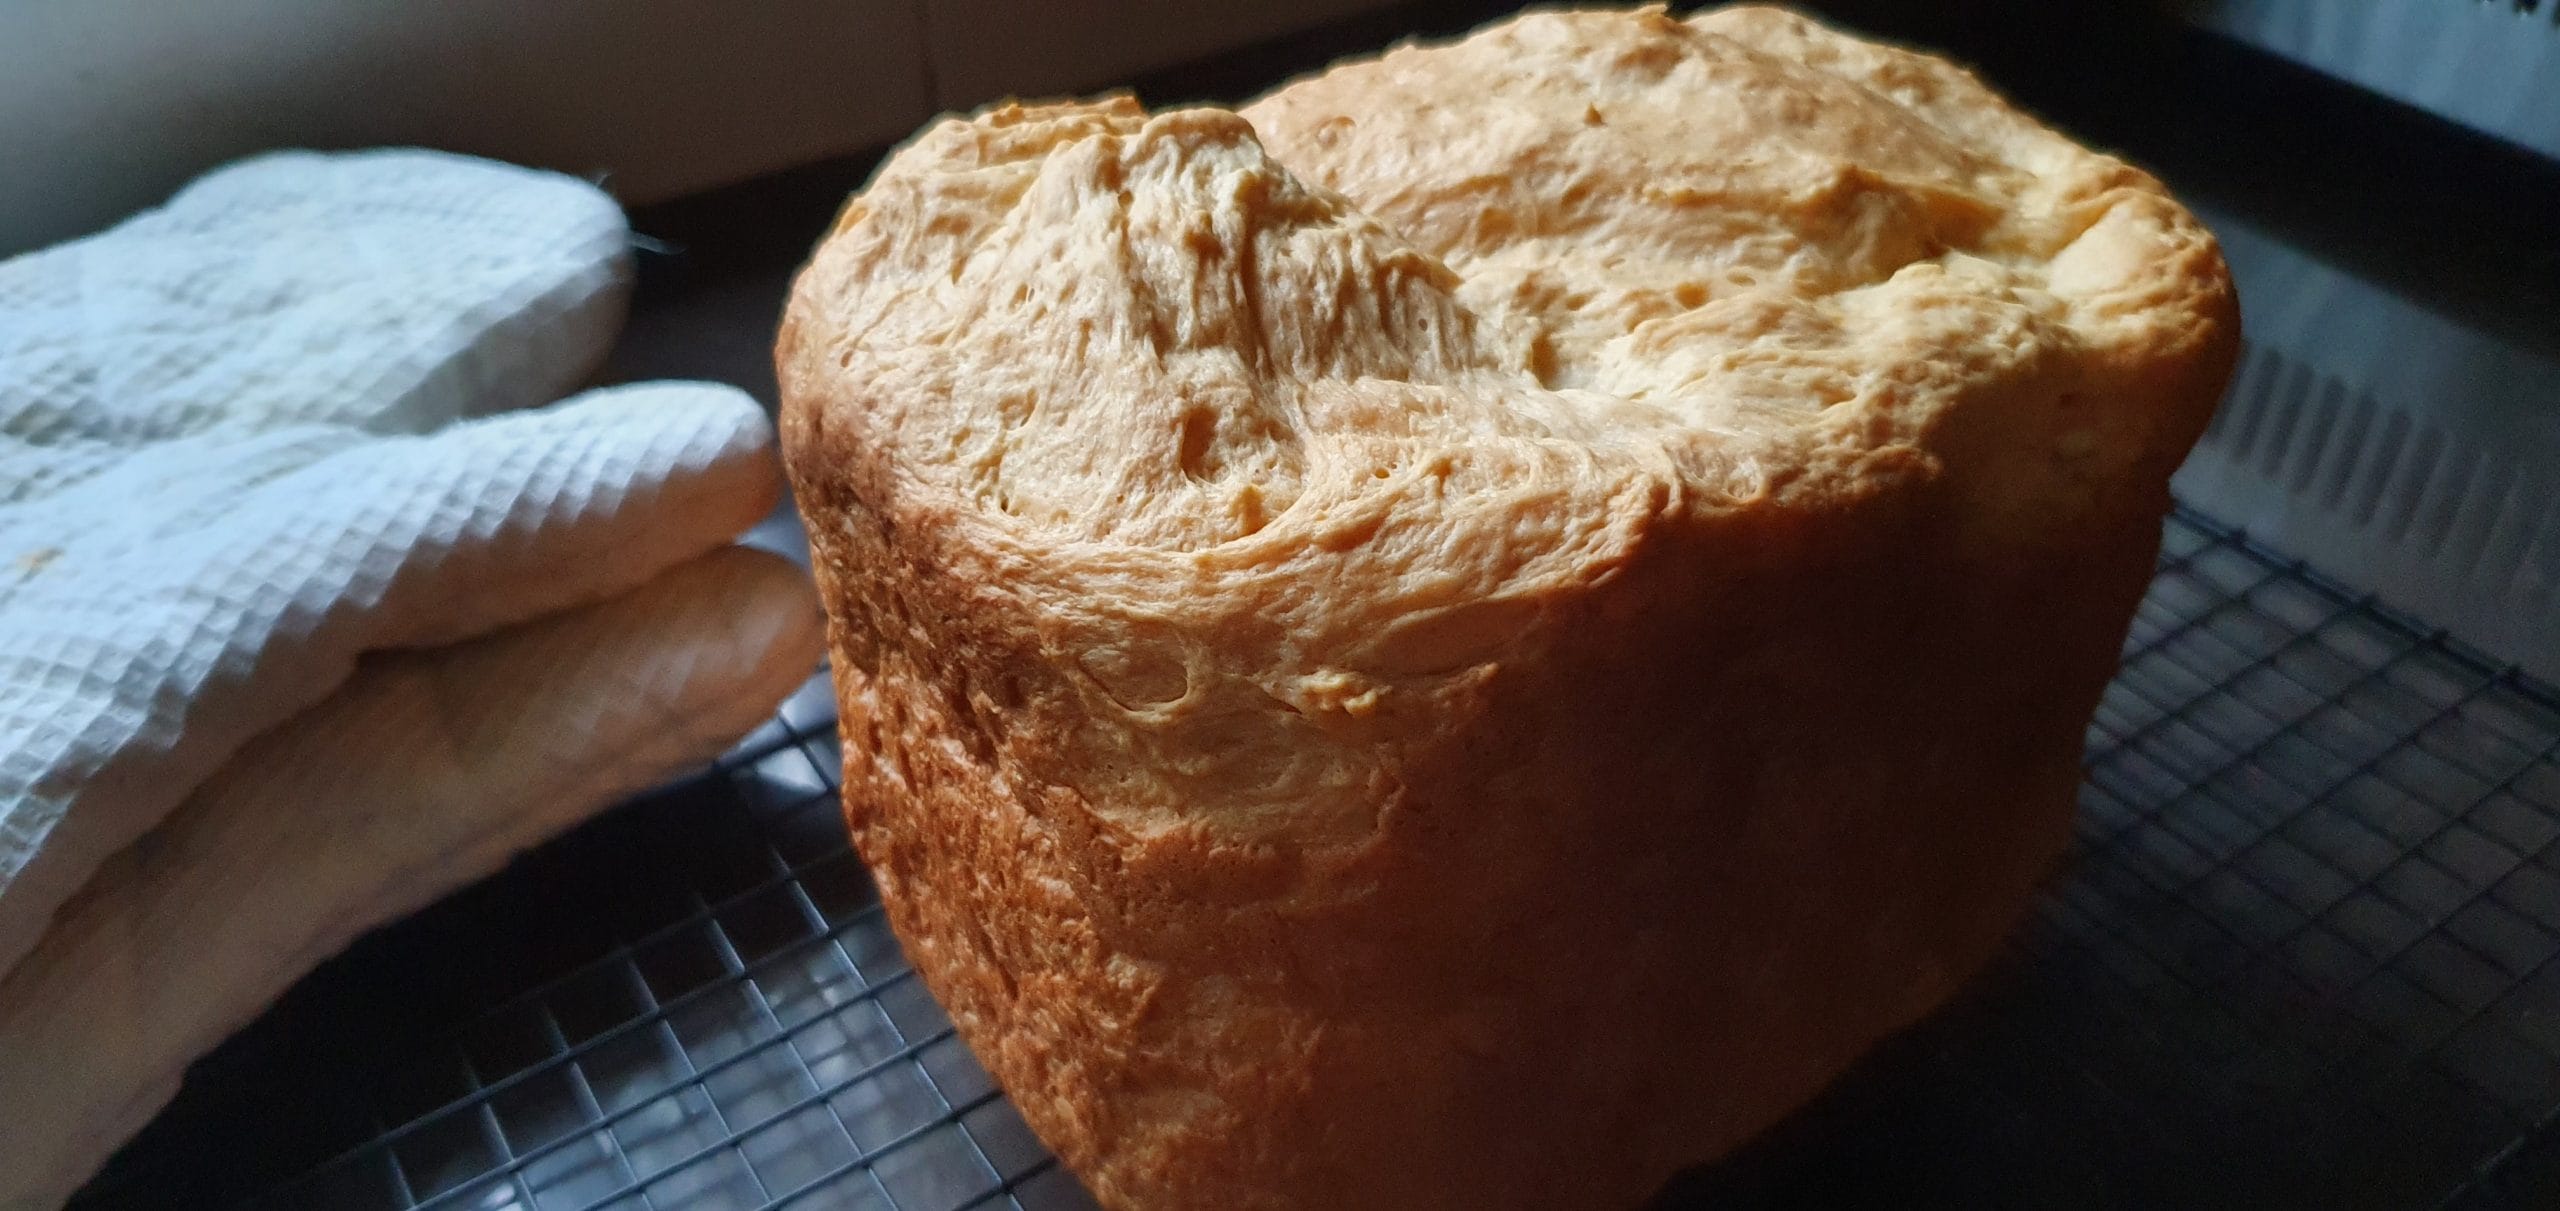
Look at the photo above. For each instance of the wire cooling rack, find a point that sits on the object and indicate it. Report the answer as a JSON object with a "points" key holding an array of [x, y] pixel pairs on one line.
{"points": [[2303, 955]]}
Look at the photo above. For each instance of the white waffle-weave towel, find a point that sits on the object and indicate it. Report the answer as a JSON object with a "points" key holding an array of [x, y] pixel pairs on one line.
{"points": [[236, 458]]}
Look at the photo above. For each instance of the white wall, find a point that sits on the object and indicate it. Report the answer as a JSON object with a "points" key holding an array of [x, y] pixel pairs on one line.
{"points": [[108, 105]]}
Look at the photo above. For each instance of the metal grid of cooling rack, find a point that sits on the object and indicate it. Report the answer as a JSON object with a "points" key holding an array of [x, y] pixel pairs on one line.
{"points": [[771, 1049], [2306, 952], [2302, 954]]}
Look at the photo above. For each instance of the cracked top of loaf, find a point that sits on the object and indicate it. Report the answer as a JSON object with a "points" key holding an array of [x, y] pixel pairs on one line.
{"points": [[1739, 254], [1288, 406]]}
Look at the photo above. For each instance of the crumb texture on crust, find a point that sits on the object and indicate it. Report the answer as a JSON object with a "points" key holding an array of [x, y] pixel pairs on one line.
{"points": [[1543, 588], [1724, 243]]}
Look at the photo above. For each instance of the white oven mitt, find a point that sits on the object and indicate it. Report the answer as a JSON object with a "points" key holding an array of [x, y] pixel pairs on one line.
{"points": [[233, 463], [423, 772]]}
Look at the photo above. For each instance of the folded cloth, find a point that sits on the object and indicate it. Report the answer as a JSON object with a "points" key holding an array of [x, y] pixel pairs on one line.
{"points": [[237, 463], [425, 770]]}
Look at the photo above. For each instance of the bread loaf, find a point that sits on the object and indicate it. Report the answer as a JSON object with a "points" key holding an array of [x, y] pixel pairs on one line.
{"points": [[1471, 633]]}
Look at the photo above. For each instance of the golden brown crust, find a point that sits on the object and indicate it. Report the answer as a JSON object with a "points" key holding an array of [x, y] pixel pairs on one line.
{"points": [[1472, 634]]}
